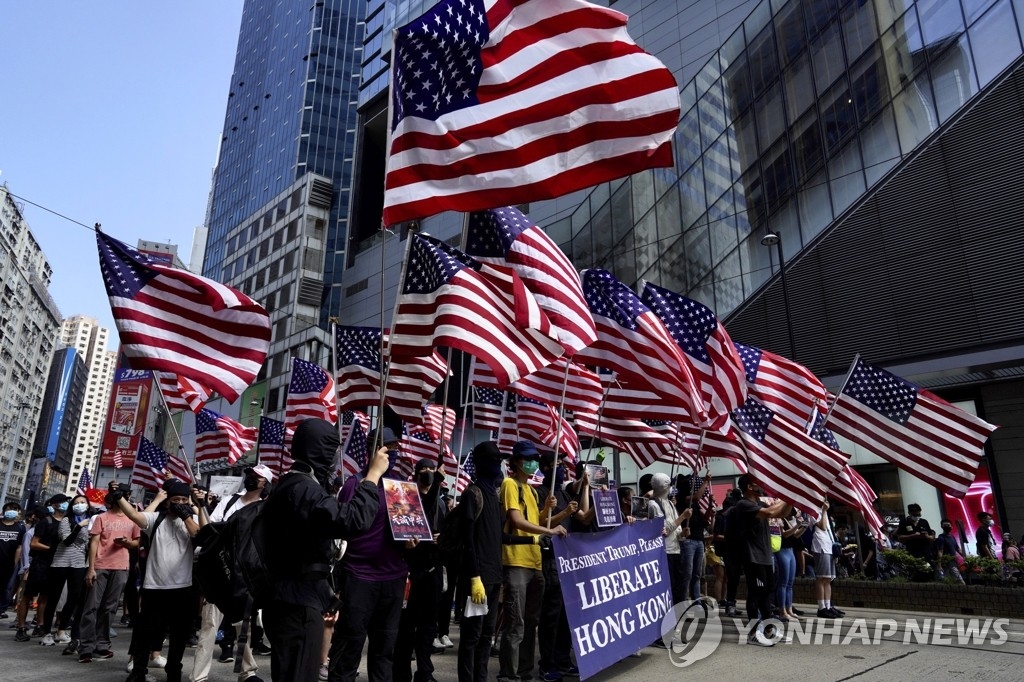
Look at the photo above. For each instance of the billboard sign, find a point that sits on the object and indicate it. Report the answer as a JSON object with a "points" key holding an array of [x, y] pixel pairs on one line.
{"points": [[126, 416], [67, 373]]}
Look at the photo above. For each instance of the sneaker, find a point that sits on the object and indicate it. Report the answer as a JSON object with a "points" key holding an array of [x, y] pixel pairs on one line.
{"points": [[71, 648], [438, 644], [827, 613], [47, 640], [113, 632], [447, 641], [37, 631], [125, 621], [757, 642], [570, 671], [838, 611], [796, 611], [225, 655], [131, 665], [550, 676], [322, 675], [62, 638], [193, 641], [85, 658], [158, 662], [731, 612], [260, 649], [3, 615], [21, 635], [103, 653]]}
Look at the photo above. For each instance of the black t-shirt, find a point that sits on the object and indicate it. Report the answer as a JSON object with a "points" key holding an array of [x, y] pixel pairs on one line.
{"points": [[47, 533], [483, 536], [752, 532], [10, 540], [916, 546], [947, 543]]}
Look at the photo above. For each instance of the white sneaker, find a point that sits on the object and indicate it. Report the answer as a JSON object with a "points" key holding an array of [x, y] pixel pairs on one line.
{"points": [[113, 632], [447, 641], [158, 662], [62, 638], [438, 644], [47, 640], [131, 665]]}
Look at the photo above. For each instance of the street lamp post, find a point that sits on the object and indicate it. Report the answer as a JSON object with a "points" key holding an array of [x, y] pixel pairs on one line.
{"points": [[773, 239], [14, 452]]}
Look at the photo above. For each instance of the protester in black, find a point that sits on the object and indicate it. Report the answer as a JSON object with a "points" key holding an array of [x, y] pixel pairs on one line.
{"points": [[914, 532], [983, 536], [750, 517], [480, 565], [12, 532], [300, 520]]}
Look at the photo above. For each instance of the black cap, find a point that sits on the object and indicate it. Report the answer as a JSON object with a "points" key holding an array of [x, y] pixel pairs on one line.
{"points": [[424, 463], [525, 449], [387, 436]]}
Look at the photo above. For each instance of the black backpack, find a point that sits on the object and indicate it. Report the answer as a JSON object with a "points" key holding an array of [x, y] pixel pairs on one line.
{"points": [[450, 539], [230, 566]]}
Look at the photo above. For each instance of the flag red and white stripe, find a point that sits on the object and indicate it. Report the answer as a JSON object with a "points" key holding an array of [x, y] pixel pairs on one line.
{"points": [[182, 393], [582, 387], [411, 383], [643, 443], [170, 320], [851, 489], [311, 395], [546, 97], [539, 422], [222, 438], [787, 388]]}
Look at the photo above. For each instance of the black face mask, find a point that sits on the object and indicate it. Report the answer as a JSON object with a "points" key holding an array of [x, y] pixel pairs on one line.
{"points": [[426, 477], [251, 483]]}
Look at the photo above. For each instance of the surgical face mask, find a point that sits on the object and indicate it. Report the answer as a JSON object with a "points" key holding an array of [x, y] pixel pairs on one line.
{"points": [[49, 508], [990, 522], [392, 458], [63, 506], [947, 528], [80, 509], [10, 515], [530, 466]]}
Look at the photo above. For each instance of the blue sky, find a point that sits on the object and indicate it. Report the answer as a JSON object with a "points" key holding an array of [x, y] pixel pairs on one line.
{"points": [[111, 113]]}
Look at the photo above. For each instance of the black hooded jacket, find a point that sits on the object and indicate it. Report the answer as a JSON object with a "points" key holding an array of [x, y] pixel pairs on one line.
{"points": [[301, 518]]}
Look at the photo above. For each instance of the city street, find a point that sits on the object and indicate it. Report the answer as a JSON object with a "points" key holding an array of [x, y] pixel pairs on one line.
{"points": [[731, 661]]}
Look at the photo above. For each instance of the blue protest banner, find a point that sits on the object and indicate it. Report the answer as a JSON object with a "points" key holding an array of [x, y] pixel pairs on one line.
{"points": [[616, 589]]}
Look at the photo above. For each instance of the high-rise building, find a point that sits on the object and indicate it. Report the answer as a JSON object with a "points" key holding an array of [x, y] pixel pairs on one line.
{"points": [[278, 212], [86, 336], [58, 429], [874, 140], [29, 319]]}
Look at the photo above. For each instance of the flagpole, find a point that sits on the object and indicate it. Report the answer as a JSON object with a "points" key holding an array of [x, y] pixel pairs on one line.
{"points": [[501, 418], [558, 430], [675, 451], [448, 374], [600, 408], [385, 362], [849, 374], [334, 366], [177, 436]]}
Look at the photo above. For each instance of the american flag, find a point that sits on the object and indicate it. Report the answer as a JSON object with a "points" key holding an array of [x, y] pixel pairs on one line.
{"points": [[784, 459], [181, 393], [622, 398], [508, 428], [84, 482], [449, 299], [219, 437], [421, 441], [152, 463], [353, 453], [646, 445], [411, 383], [849, 487], [582, 387], [634, 343], [271, 448], [467, 472], [724, 444], [788, 389], [357, 356], [713, 358], [538, 422], [487, 406], [170, 320], [497, 103], [504, 236], [310, 395], [911, 427]]}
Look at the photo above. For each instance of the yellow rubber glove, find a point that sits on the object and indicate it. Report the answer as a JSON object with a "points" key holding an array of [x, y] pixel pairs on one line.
{"points": [[476, 590]]}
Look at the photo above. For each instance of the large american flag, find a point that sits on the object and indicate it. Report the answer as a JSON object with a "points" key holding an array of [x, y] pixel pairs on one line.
{"points": [[421, 441], [271, 448], [487, 406], [411, 380], [358, 364], [713, 358], [449, 299], [911, 427], [850, 488], [784, 459], [539, 422], [84, 482], [623, 398], [182, 393], [645, 444], [582, 386], [170, 320], [504, 236], [221, 438], [467, 472], [789, 389], [152, 463], [497, 103], [310, 395], [633, 342], [353, 452]]}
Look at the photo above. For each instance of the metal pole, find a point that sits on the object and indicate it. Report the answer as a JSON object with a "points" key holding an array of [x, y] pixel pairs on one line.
{"points": [[14, 451], [785, 301]]}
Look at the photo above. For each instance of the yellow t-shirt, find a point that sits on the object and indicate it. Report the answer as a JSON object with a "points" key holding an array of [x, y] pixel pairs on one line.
{"points": [[524, 556]]}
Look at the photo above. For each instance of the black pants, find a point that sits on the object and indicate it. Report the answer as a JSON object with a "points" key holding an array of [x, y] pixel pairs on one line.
{"points": [[733, 571], [296, 634], [760, 582], [675, 574], [169, 611], [475, 635], [553, 632], [418, 628], [131, 588], [371, 608], [444, 606], [75, 580]]}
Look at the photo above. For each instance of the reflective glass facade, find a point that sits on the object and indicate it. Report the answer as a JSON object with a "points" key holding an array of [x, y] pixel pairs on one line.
{"points": [[291, 111], [803, 108]]}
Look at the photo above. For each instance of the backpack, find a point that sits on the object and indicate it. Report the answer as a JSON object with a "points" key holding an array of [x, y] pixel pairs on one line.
{"points": [[230, 566], [450, 539]]}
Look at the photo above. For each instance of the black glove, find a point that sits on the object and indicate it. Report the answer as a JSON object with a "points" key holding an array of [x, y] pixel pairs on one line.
{"points": [[115, 496], [182, 511]]}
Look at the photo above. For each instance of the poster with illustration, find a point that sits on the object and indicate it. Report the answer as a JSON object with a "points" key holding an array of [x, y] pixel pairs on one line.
{"points": [[405, 510]]}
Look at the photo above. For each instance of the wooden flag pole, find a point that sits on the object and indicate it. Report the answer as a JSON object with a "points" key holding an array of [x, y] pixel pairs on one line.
{"points": [[849, 374]]}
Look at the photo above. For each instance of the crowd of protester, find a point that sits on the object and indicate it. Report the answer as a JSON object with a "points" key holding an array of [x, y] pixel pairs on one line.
{"points": [[341, 583]]}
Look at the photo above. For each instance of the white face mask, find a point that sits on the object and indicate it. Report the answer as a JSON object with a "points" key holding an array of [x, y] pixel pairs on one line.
{"points": [[80, 508]]}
